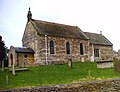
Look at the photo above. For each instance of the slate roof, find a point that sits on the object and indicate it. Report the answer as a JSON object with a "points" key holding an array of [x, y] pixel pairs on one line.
{"points": [[98, 39], [23, 50], [55, 29]]}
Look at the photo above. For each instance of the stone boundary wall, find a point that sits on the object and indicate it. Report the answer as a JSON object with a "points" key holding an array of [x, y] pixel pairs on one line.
{"points": [[112, 85]]}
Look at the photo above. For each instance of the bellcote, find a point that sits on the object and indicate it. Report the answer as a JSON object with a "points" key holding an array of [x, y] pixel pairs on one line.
{"points": [[29, 15]]}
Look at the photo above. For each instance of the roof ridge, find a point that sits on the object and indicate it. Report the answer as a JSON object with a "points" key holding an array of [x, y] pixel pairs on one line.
{"points": [[92, 33], [54, 23], [98, 39], [57, 29], [23, 47]]}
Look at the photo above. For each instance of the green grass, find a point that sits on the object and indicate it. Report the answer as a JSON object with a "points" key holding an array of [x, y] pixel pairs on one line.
{"points": [[55, 74]]}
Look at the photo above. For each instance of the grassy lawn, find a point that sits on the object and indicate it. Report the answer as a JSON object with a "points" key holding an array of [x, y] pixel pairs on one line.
{"points": [[55, 74]]}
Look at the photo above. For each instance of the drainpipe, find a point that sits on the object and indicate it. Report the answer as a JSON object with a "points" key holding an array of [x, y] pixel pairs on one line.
{"points": [[92, 59], [46, 61]]}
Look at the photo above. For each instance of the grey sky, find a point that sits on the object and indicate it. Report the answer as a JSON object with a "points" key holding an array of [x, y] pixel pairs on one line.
{"points": [[89, 15]]}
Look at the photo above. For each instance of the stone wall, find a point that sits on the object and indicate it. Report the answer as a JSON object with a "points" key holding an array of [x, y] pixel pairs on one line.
{"points": [[105, 52], [112, 85], [60, 49], [30, 39], [25, 59]]}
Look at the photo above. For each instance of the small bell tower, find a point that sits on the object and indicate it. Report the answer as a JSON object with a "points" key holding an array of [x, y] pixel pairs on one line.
{"points": [[29, 15]]}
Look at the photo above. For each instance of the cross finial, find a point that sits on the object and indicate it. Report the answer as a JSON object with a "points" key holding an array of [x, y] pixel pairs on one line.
{"points": [[29, 8], [29, 15]]}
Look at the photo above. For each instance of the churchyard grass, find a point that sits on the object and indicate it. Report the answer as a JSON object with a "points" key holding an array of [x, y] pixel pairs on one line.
{"points": [[55, 74]]}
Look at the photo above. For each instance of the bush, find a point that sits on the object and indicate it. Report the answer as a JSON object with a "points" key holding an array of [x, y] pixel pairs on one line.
{"points": [[117, 66]]}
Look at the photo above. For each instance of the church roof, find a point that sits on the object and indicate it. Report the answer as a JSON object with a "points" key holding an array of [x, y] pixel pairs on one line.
{"points": [[98, 39], [23, 50], [55, 29]]}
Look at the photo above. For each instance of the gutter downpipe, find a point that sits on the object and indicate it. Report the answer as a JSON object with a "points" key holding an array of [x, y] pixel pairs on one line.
{"points": [[46, 61], [92, 59]]}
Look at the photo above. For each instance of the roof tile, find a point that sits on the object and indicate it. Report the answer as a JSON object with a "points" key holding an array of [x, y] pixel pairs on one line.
{"points": [[55, 29], [23, 50], [98, 39]]}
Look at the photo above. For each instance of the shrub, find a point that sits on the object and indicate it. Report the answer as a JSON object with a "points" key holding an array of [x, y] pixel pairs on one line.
{"points": [[117, 66]]}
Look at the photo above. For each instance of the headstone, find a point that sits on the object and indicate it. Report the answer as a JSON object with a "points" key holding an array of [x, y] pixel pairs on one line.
{"points": [[92, 58], [82, 59], [70, 62]]}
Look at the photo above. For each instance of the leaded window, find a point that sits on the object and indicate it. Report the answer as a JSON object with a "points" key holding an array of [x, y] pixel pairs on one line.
{"points": [[51, 47], [81, 49], [67, 48], [96, 52]]}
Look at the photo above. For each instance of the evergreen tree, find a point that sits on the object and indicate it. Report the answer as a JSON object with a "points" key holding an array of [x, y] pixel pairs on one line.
{"points": [[2, 51]]}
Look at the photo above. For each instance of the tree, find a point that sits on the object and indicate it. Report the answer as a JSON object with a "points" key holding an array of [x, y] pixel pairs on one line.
{"points": [[2, 51]]}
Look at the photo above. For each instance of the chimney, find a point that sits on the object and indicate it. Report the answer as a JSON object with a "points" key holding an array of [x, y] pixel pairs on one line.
{"points": [[29, 15]]}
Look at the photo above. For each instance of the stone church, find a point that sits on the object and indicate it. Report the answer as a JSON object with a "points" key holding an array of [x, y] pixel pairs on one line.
{"points": [[53, 43]]}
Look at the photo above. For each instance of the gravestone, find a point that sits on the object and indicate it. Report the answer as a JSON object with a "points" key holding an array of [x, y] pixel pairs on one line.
{"points": [[69, 62]]}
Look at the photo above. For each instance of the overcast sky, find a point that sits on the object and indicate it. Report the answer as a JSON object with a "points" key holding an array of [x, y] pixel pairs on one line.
{"points": [[89, 15]]}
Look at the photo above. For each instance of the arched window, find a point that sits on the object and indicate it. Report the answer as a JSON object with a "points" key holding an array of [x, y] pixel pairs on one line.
{"points": [[67, 48], [51, 47], [81, 49]]}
